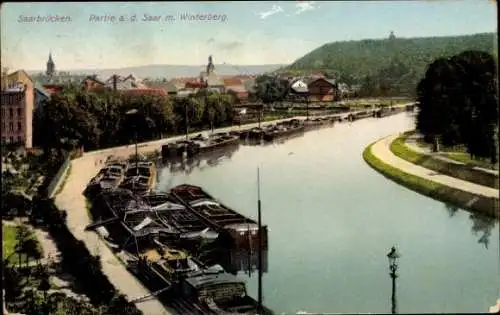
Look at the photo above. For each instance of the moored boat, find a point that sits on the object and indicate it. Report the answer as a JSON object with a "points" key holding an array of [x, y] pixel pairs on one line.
{"points": [[215, 141], [140, 177], [178, 149], [221, 293], [316, 123], [171, 264], [243, 231], [384, 112], [283, 129]]}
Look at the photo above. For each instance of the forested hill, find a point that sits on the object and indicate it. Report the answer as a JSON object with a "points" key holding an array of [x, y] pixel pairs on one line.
{"points": [[353, 61]]}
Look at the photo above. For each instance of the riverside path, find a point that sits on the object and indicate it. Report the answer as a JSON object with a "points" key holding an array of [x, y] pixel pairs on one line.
{"points": [[381, 149]]}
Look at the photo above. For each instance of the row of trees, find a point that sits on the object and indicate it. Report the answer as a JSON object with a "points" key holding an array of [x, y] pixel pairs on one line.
{"points": [[457, 101], [97, 120]]}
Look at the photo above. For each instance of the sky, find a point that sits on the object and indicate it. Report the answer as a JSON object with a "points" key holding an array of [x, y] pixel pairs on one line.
{"points": [[238, 33]]}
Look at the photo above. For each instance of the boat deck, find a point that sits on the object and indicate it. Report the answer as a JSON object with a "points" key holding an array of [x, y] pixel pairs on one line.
{"points": [[208, 208]]}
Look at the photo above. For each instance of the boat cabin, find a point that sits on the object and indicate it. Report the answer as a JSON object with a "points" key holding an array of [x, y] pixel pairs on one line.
{"points": [[220, 287], [170, 261]]}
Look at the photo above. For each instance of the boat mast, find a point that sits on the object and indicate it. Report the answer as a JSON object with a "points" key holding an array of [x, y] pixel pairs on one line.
{"points": [[259, 221]]}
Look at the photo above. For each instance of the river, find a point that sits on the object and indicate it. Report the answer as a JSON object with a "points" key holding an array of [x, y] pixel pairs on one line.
{"points": [[332, 220]]}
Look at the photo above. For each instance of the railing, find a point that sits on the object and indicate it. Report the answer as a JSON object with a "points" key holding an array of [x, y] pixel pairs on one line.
{"points": [[56, 181]]}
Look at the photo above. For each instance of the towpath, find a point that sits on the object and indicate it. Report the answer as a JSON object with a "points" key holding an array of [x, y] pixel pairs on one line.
{"points": [[381, 150]]}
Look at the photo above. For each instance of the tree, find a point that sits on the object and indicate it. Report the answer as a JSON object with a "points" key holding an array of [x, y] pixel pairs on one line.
{"points": [[32, 250], [457, 101], [120, 305], [270, 89], [23, 234], [44, 284]]}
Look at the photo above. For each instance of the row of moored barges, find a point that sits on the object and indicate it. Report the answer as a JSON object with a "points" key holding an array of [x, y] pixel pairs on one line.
{"points": [[152, 228]]}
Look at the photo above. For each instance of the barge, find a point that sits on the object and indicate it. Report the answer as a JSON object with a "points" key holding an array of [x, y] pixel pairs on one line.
{"points": [[360, 115], [244, 232], [384, 112], [140, 177], [283, 129], [215, 141], [317, 123], [209, 290], [139, 222], [199, 145], [108, 178], [221, 293]]}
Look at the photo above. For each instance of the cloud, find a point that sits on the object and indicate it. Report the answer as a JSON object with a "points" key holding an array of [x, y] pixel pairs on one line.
{"points": [[303, 6], [230, 45], [211, 40], [274, 10]]}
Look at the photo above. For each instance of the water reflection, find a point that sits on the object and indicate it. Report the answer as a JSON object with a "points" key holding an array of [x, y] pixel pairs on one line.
{"points": [[482, 225], [280, 140], [187, 166], [452, 209], [241, 260], [234, 260]]}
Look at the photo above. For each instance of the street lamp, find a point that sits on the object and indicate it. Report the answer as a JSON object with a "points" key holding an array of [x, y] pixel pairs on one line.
{"points": [[393, 255], [132, 113]]}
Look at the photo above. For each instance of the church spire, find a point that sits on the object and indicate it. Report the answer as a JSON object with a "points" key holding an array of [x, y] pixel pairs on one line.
{"points": [[210, 65], [51, 66]]}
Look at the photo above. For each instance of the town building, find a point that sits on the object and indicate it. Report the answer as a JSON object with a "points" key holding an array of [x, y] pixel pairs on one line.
{"points": [[168, 87], [117, 82], [323, 90], [298, 90], [17, 104], [93, 84]]}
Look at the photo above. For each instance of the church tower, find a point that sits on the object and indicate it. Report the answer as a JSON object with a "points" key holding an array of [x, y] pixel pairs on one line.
{"points": [[51, 66], [210, 66]]}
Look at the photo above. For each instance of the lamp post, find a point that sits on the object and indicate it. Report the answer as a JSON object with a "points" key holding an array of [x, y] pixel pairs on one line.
{"points": [[133, 113], [393, 255]]}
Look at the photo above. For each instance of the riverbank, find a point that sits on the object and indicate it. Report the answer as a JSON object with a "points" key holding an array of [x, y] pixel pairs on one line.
{"points": [[406, 148], [451, 190]]}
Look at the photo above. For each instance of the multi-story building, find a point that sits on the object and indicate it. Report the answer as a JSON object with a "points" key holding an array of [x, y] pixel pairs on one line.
{"points": [[17, 102]]}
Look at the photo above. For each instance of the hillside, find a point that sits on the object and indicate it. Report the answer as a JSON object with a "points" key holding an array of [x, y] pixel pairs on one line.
{"points": [[354, 61]]}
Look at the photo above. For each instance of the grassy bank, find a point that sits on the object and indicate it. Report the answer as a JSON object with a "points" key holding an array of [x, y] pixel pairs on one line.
{"points": [[459, 154], [463, 172], [431, 189], [10, 243], [63, 182]]}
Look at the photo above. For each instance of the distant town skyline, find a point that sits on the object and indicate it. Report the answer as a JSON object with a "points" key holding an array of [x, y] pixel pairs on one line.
{"points": [[103, 35]]}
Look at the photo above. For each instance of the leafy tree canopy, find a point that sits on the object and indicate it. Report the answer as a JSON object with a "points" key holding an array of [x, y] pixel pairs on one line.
{"points": [[457, 100]]}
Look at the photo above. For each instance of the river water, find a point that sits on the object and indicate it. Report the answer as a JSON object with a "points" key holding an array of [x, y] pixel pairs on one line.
{"points": [[332, 220]]}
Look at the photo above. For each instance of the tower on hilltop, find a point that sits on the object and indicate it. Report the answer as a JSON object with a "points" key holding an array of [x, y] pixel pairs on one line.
{"points": [[392, 36], [51, 66]]}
